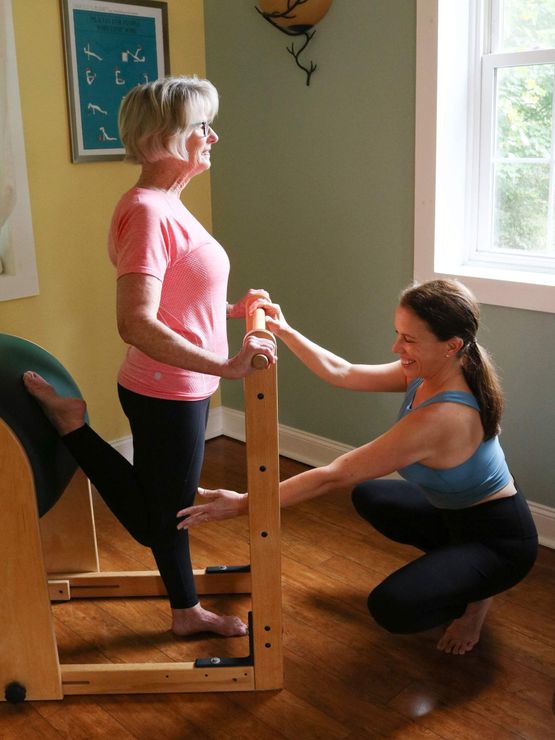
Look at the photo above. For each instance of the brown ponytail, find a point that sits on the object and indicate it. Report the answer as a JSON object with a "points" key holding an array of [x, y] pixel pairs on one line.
{"points": [[450, 310], [481, 376]]}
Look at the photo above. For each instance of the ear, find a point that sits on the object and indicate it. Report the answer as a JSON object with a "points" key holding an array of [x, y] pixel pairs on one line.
{"points": [[454, 346]]}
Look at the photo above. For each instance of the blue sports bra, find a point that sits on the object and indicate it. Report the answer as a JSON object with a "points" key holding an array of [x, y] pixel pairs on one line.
{"points": [[484, 473]]}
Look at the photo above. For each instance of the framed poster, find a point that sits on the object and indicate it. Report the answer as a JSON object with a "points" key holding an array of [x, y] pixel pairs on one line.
{"points": [[18, 269], [110, 47]]}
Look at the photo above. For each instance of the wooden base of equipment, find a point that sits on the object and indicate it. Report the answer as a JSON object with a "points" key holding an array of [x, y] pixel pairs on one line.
{"points": [[56, 558]]}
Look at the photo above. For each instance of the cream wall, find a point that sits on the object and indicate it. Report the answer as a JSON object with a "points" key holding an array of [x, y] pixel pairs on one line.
{"points": [[74, 316]]}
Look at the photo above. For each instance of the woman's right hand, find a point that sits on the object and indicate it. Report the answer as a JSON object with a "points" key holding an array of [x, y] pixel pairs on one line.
{"points": [[241, 364], [222, 504]]}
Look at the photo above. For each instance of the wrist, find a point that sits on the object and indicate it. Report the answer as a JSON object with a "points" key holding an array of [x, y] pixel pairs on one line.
{"points": [[229, 371], [228, 310], [285, 333], [243, 503]]}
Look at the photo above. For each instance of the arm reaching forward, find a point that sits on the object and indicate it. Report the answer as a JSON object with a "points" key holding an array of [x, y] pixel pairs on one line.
{"points": [[325, 364], [410, 440]]}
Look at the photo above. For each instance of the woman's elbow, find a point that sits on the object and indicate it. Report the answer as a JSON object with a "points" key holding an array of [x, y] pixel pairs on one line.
{"points": [[337, 475], [340, 375], [130, 329], [124, 330]]}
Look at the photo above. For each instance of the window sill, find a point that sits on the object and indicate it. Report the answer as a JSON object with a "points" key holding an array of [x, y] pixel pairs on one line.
{"points": [[500, 287]]}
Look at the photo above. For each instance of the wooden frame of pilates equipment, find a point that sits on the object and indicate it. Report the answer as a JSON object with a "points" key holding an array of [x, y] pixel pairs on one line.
{"points": [[59, 561]]}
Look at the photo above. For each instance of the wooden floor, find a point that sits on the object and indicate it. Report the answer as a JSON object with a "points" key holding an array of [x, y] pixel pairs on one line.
{"points": [[344, 677]]}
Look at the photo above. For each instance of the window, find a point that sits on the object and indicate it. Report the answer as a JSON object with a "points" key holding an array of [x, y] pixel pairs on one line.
{"points": [[485, 148]]}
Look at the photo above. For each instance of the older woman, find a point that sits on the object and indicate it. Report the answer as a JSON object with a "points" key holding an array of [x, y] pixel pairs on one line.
{"points": [[171, 310], [459, 503]]}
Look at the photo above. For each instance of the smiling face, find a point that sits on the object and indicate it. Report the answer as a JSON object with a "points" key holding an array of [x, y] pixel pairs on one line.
{"points": [[421, 353], [198, 148]]}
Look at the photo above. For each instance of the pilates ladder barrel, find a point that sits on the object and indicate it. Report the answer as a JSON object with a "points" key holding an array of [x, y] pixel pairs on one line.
{"points": [[59, 561]]}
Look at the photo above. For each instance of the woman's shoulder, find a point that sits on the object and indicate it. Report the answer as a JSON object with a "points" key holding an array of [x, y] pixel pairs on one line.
{"points": [[426, 394], [448, 411], [445, 427], [141, 197], [451, 414], [131, 200], [143, 206]]}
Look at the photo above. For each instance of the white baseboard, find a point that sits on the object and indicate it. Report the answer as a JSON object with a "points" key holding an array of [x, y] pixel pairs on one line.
{"points": [[315, 451], [301, 446], [544, 518]]}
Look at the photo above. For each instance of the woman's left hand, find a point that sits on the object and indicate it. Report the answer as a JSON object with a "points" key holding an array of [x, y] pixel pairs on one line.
{"points": [[223, 504], [238, 310], [275, 320]]}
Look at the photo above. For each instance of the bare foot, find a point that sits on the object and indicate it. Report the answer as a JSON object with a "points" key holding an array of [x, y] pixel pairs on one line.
{"points": [[65, 414], [196, 619], [463, 633]]}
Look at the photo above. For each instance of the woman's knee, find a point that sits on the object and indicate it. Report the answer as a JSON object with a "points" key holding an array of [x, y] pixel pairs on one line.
{"points": [[390, 611], [368, 499], [374, 502]]}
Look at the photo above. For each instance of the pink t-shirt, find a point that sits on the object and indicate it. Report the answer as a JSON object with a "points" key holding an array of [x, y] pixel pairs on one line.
{"points": [[152, 233]]}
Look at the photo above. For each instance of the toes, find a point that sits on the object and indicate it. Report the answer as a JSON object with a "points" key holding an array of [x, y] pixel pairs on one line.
{"points": [[29, 378], [447, 644], [32, 377], [444, 643], [34, 382], [236, 627], [455, 647]]}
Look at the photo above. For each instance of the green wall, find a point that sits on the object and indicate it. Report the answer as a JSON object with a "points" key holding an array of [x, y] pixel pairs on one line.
{"points": [[312, 195], [523, 346]]}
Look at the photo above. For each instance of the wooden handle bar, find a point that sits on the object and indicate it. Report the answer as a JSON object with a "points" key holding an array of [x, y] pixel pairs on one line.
{"points": [[260, 362], [256, 324], [258, 320]]}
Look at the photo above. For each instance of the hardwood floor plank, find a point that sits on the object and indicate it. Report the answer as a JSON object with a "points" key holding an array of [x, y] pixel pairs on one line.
{"points": [[219, 718], [451, 721], [83, 718], [24, 721], [149, 716], [338, 700], [111, 637], [291, 716], [354, 666]]}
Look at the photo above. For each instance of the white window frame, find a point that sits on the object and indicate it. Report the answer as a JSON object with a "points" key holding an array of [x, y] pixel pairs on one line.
{"points": [[446, 158]]}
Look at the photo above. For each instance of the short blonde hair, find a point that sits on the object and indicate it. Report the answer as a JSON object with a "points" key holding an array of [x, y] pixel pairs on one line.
{"points": [[156, 118]]}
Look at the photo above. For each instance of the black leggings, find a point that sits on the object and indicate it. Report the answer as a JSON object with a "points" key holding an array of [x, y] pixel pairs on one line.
{"points": [[471, 553], [168, 451]]}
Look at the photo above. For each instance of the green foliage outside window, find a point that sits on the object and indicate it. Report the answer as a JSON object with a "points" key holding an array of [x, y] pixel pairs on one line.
{"points": [[528, 24], [523, 219]]}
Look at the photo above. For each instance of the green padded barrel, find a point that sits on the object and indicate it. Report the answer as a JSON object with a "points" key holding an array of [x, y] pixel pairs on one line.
{"points": [[52, 465]]}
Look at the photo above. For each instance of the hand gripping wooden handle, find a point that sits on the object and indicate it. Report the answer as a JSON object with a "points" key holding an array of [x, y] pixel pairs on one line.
{"points": [[260, 362], [256, 324]]}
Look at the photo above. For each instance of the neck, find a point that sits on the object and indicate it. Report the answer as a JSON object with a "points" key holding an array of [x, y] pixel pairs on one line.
{"points": [[449, 377], [168, 175]]}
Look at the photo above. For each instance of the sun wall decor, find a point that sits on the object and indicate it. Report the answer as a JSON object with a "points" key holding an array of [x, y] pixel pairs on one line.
{"points": [[296, 18]]}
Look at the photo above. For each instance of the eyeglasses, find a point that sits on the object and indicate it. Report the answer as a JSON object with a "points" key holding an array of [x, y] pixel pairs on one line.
{"points": [[205, 127]]}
